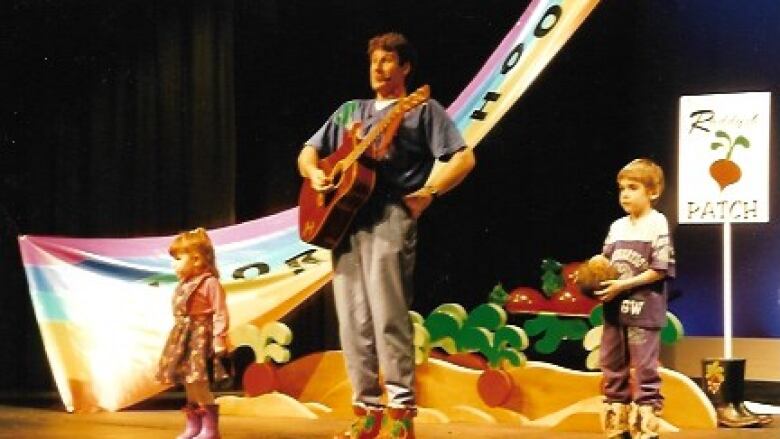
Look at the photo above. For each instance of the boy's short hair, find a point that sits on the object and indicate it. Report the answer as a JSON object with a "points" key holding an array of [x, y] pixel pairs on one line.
{"points": [[394, 42], [646, 172]]}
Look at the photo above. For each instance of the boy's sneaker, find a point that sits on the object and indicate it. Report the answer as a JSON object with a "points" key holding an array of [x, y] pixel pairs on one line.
{"points": [[644, 422], [614, 420]]}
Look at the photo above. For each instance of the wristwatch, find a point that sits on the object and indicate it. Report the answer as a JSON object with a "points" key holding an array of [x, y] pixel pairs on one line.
{"points": [[433, 191]]}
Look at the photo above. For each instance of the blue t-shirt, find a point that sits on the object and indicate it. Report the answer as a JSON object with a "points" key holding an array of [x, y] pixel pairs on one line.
{"points": [[632, 248], [425, 134]]}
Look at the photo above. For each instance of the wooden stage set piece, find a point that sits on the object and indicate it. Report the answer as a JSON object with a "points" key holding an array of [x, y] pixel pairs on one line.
{"points": [[537, 395]]}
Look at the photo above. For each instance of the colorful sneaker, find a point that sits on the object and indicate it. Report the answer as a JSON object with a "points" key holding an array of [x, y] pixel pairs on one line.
{"points": [[399, 423], [367, 425]]}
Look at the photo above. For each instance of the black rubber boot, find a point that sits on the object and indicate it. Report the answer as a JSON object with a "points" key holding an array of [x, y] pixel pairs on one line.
{"points": [[763, 419], [724, 383]]}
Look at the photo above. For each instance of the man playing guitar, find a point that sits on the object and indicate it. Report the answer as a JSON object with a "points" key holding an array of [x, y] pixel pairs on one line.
{"points": [[374, 261]]}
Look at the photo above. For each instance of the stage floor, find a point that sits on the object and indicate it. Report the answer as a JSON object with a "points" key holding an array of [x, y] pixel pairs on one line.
{"points": [[45, 423]]}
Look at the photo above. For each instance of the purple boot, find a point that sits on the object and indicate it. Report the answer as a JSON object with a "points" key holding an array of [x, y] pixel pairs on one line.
{"points": [[193, 421], [210, 416]]}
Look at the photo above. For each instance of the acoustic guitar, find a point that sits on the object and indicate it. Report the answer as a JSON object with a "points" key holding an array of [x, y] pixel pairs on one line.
{"points": [[324, 217]]}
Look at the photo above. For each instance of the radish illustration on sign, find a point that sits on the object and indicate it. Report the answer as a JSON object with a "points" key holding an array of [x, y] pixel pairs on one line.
{"points": [[725, 171]]}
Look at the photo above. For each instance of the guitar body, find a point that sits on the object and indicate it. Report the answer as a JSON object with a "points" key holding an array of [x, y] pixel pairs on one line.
{"points": [[324, 217]]}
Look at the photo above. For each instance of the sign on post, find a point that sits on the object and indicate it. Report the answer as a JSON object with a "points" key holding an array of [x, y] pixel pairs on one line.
{"points": [[724, 170], [724, 158]]}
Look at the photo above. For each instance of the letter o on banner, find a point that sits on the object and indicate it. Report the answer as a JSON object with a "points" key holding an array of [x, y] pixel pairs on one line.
{"points": [[541, 30], [261, 267]]}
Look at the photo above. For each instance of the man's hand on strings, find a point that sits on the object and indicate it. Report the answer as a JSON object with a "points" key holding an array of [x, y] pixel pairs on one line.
{"points": [[319, 181]]}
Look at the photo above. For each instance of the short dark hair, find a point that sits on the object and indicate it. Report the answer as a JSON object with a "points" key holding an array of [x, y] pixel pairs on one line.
{"points": [[394, 42], [646, 172]]}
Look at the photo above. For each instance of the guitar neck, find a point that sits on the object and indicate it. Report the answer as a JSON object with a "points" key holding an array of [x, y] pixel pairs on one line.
{"points": [[375, 131], [419, 96]]}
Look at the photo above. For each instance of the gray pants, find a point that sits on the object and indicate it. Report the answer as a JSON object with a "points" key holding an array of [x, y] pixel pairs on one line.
{"points": [[625, 346], [372, 284]]}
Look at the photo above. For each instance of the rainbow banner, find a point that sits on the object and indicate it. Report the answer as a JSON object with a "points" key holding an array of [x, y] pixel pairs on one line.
{"points": [[104, 305], [525, 51]]}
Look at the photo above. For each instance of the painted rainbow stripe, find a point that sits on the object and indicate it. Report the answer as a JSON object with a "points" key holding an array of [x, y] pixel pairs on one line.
{"points": [[528, 47], [271, 240]]}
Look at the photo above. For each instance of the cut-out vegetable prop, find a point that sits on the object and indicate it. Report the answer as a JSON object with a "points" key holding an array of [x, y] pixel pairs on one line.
{"points": [[525, 300], [443, 326], [725, 171], [555, 331], [421, 338], [498, 295], [552, 280], [482, 331], [486, 332], [268, 343], [567, 300], [501, 347]]}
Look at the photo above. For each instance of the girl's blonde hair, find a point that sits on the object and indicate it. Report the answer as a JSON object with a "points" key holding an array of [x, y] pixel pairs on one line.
{"points": [[197, 245], [644, 171]]}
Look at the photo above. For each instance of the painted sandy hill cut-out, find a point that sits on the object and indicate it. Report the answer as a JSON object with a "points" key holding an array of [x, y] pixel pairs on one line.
{"points": [[543, 395]]}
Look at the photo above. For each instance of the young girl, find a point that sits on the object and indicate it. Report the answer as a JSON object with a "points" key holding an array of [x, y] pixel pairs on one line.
{"points": [[198, 335]]}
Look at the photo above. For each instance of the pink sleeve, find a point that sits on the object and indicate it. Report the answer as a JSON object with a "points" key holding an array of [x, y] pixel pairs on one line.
{"points": [[216, 295]]}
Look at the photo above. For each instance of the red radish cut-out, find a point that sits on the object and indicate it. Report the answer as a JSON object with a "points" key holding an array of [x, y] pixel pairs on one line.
{"points": [[495, 387], [726, 171]]}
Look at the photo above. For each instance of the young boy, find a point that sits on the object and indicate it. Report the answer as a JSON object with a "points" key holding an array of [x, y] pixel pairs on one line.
{"points": [[639, 248]]}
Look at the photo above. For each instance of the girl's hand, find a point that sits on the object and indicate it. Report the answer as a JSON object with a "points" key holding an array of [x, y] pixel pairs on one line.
{"points": [[613, 288]]}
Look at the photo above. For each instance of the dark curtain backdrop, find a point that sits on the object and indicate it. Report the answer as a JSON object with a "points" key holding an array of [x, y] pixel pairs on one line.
{"points": [[122, 117], [116, 119]]}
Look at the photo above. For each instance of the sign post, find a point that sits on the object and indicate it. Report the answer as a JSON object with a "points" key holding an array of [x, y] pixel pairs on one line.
{"points": [[724, 178]]}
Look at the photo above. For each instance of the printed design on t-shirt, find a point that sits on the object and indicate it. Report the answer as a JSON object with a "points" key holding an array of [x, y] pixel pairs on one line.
{"points": [[628, 261], [663, 250], [343, 116], [632, 307]]}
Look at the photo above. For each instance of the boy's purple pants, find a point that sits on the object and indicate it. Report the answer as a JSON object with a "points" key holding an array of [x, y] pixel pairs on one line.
{"points": [[623, 347]]}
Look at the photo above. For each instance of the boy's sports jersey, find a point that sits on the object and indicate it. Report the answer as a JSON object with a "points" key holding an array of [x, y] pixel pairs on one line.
{"points": [[634, 247]]}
